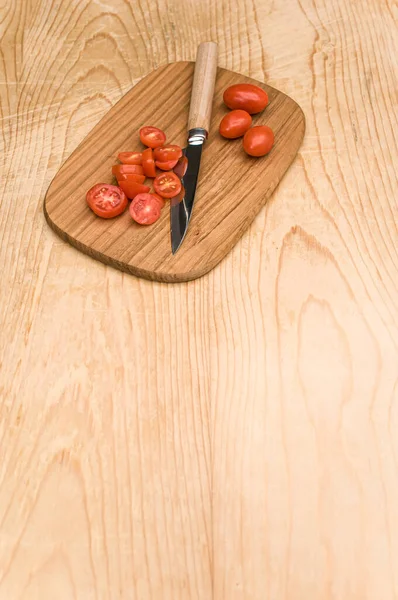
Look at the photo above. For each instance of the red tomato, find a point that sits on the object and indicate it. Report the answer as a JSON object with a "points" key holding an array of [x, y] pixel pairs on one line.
{"points": [[167, 185], [145, 209], [258, 141], [130, 177], [166, 166], [181, 167], [148, 164], [166, 153], [152, 136], [106, 201], [159, 198], [247, 97], [235, 124], [124, 169], [179, 197], [130, 158], [132, 188]]}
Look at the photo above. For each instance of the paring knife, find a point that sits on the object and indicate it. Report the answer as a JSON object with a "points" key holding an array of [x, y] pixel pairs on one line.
{"points": [[198, 128]]}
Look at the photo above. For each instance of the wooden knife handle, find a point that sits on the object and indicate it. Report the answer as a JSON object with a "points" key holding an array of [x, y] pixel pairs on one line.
{"points": [[203, 86]]}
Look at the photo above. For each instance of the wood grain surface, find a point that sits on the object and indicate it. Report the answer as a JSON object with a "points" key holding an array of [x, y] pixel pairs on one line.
{"points": [[232, 189], [232, 438]]}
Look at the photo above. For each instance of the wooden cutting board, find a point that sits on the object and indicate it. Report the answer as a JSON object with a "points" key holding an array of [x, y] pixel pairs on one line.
{"points": [[232, 189]]}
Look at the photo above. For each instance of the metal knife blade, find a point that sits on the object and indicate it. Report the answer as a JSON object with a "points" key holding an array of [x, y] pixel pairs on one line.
{"points": [[180, 212]]}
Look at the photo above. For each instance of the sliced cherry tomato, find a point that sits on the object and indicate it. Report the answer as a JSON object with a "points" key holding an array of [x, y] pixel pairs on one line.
{"points": [[166, 166], [130, 177], [159, 198], [130, 158], [176, 199], [166, 153], [132, 188], [167, 185], [246, 96], [181, 167], [152, 137], [235, 124], [106, 200], [258, 141], [148, 164], [145, 209], [125, 169]]}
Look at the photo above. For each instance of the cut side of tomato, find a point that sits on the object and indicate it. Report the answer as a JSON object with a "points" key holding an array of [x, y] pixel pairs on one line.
{"points": [[177, 199], [166, 166], [127, 169], [181, 167], [152, 136], [145, 209], [166, 153], [148, 164], [167, 185], [106, 200], [159, 198], [130, 158], [132, 188], [130, 177]]}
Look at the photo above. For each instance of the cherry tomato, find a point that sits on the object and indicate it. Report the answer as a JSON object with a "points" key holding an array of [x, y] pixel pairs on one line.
{"points": [[235, 124], [179, 197], [148, 164], [159, 198], [166, 153], [132, 188], [152, 136], [145, 209], [130, 177], [181, 167], [130, 158], [167, 185], [247, 97], [106, 201], [258, 141], [124, 169], [166, 166]]}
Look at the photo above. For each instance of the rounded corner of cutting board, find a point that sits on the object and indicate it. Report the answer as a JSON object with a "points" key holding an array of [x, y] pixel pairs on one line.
{"points": [[232, 186]]}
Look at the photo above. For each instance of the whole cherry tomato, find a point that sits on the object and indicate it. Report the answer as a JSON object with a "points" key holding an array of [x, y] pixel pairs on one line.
{"points": [[258, 141], [106, 201], [246, 96], [235, 124]]}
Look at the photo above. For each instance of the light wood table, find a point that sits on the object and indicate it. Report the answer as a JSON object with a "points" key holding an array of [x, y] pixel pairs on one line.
{"points": [[231, 438]]}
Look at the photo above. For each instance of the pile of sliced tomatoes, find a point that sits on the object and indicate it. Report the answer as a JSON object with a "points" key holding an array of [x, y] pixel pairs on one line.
{"points": [[163, 163]]}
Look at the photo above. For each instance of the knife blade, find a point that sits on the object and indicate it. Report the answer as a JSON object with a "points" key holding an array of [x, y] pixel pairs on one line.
{"points": [[198, 127]]}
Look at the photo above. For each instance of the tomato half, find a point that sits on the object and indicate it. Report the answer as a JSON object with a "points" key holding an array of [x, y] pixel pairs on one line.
{"points": [[166, 166], [176, 199], [235, 124], [167, 185], [246, 96], [258, 141], [130, 177], [166, 153], [152, 136], [145, 209], [125, 169], [106, 200], [130, 158], [159, 198], [132, 188], [181, 167], [148, 164]]}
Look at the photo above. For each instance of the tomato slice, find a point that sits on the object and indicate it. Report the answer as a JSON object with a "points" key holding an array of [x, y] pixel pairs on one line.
{"points": [[166, 153], [130, 158], [148, 164], [167, 184], [176, 199], [159, 198], [130, 177], [132, 188], [145, 209], [125, 169], [166, 166], [152, 136], [181, 167], [106, 200]]}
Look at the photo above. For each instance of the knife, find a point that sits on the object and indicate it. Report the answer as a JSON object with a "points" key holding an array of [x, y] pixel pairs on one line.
{"points": [[198, 127]]}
